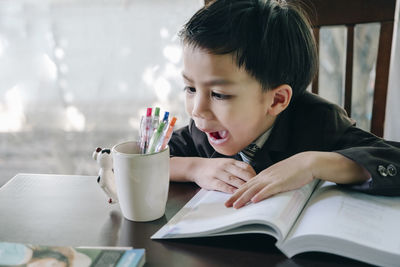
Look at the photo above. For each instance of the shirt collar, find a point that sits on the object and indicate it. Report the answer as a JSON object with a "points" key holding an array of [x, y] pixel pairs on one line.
{"points": [[260, 141]]}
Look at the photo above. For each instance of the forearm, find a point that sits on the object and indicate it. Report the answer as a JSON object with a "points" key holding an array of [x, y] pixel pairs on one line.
{"points": [[334, 167], [182, 169]]}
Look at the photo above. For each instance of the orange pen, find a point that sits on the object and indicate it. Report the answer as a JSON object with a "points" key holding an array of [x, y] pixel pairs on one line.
{"points": [[168, 134]]}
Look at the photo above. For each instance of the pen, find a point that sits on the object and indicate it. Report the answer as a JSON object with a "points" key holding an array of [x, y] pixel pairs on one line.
{"points": [[156, 138], [156, 118], [148, 130], [142, 133], [165, 119], [168, 134]]}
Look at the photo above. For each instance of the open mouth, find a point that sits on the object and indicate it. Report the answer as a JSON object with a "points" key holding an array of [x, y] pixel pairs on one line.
{"points": [[218, 137]]}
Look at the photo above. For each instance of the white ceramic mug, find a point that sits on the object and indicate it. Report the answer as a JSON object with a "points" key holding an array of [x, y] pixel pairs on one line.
{"points": [[142, 181]]}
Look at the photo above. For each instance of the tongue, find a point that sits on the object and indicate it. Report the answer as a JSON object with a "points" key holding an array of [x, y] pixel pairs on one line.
{"points": [[215, 135], [219, 134]]}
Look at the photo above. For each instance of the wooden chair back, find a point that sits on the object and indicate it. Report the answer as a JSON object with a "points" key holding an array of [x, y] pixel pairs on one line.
{"points": [[350, 13]]}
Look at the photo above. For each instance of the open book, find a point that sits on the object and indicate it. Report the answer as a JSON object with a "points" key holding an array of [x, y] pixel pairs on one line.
{"points": [[320, 216]]}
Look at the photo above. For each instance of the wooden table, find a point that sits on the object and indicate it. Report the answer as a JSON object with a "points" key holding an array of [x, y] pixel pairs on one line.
{"points": [[67, 210]]}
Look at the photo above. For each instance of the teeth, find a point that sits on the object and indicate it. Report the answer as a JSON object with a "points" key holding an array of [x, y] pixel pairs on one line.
{"points": [[223, 134]]}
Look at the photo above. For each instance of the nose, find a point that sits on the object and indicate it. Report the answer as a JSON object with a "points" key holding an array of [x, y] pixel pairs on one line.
{"points": [[201, 107]]}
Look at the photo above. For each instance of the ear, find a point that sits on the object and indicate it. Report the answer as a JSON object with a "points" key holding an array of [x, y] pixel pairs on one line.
{"points": [[281, 97], [96, 153]]}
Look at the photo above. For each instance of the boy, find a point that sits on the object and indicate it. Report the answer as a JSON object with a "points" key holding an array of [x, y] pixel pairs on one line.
{"points": [[255, 131]]}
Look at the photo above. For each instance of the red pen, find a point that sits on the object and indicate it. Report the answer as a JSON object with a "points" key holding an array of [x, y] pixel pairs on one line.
{"points": [[147, 130]]}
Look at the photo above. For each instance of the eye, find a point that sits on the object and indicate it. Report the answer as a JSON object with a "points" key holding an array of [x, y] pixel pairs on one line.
{"points": [[189, 90], [219, 96]]}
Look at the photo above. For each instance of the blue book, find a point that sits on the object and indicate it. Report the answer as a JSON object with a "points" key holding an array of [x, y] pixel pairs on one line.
{"points": [[16, 254]]}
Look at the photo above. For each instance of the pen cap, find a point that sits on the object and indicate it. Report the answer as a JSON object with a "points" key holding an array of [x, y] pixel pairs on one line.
{"points": [[157, 112], [156, 118], [166, 114], [148, 114], [172, 123]]}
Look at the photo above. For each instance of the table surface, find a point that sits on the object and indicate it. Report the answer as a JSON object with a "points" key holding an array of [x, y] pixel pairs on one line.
{"points": [[69, 210]]}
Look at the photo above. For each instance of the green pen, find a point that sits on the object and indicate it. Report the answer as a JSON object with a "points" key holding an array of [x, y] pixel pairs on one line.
{"points": [[156, 138], [156, 118]]}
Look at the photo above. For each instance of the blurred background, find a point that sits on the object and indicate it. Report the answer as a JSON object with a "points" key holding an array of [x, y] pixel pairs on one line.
{"points": [[75, 75]]}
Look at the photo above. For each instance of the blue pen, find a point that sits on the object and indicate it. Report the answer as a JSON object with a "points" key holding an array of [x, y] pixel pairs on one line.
{"points": [[165, 119]]}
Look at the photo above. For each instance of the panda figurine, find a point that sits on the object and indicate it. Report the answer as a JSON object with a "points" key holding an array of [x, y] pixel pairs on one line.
{"points": [[106, 178]]}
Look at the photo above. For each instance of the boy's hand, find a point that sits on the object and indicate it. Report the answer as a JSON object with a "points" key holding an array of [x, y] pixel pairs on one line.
{"points": [[222, 174], [289, 174]]}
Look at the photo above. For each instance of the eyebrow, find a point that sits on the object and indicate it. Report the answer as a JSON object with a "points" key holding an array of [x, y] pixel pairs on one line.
{"points": [[212, 82]]}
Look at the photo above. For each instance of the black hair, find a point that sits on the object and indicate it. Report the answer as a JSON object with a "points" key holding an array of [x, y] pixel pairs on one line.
{"points": [[271, 39]]}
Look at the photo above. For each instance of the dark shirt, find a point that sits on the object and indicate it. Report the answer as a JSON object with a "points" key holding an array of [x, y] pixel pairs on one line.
{"points": [[311, 123]]}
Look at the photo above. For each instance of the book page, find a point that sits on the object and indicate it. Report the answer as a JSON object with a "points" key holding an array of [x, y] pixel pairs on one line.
{"points": [[206, 214], [367, 220]]}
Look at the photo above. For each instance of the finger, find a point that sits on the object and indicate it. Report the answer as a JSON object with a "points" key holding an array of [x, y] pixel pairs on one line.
{"points": [[243, 172], [235, 196], [266, 192], [246, 196], [239, 192], [230, 179], [245, 166], [223, 187]]}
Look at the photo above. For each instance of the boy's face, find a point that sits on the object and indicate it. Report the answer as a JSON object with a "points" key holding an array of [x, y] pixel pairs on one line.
{"points": [[224, 101]]}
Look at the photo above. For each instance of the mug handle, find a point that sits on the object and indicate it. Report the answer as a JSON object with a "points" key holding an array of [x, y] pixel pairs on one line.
{"points": [[106, 178]]}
